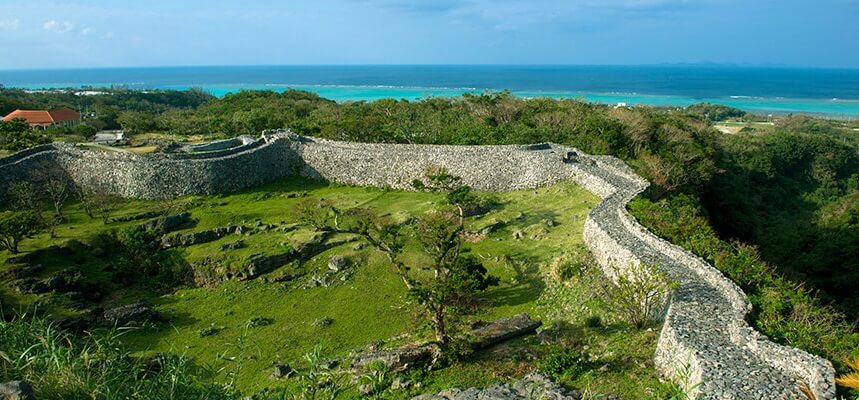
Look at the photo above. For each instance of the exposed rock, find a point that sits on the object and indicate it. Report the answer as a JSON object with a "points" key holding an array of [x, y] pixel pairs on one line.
{"points": [[259, 264], [313, 246], [492, 227], [503, 329], [550, 222], [375, 345], [358, 246], [19, 271], [282, 371], [337, 263], [323, 322], [518, 234], [136, 217], [57, 282], [399, 359], [532, 386], [287, 277], [129, 313], [166, 223], [399, 384], [16, 390], [190, 239], [73, 324], [289, 227], [232, 246], [22, 259]]}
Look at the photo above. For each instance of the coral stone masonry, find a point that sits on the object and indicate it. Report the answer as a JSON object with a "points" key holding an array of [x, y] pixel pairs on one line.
{"points": [[705, 343]]}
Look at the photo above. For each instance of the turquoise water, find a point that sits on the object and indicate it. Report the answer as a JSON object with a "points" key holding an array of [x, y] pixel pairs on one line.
{"points": [[831, 107], [830, 92]]}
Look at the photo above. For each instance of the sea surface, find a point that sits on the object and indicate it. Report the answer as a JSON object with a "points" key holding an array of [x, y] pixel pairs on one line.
{"points": [[831, 92]]}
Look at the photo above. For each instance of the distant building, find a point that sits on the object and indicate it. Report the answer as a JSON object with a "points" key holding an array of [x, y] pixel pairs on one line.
{"points": [[40, 119]]}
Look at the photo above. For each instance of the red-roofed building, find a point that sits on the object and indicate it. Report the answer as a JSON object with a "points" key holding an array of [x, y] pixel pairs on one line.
{"points": [[44, 118]]}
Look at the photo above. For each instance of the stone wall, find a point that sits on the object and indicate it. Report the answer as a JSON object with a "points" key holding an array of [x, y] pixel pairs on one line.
{"points": [[158, 175], [704, 328]]}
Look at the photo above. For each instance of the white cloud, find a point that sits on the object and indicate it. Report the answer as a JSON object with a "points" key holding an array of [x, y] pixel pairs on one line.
{"points": [[9, 24], [108, 35], [87, 31], [59, 27]]}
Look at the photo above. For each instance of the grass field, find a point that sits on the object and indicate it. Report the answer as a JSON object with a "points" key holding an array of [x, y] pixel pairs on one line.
{"points": [[367, 302]]}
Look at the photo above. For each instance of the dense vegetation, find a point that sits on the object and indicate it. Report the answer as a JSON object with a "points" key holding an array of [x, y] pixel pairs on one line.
{"points": [[774, 207]]}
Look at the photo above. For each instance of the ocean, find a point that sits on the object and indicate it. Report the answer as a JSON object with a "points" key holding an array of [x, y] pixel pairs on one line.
{"points": [[830, 92]]}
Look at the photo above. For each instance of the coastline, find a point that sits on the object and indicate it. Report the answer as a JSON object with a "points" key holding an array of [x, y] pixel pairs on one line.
{"points": [[832, 108]]}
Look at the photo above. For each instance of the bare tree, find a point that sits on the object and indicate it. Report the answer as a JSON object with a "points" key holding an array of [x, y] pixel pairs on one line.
{"points": [[57, 189], [98, 202]]}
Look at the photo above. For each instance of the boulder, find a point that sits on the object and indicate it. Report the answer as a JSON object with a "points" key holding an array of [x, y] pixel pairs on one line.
{"points": [[399, 359], [337, 263], [503, 329], [492, 227], [190, 239], [16, 390], [232, 246], [259, 264], [124, 315], [518, 234], [135, 217], [166, 223], [532, 386], [282, 371]]}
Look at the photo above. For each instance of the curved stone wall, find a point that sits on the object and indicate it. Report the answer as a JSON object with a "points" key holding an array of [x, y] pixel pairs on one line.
{"points": [[704, 327], [158, 175]]}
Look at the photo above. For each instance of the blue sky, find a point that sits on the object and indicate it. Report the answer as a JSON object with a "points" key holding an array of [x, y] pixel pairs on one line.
{"points": [[101, 33]]}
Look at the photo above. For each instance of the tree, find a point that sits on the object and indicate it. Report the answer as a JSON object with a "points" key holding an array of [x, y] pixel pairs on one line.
{"points": [[85, 131], [444, 283], [57, 189], [16, 135], [448, 284], [98, 202], [137, 122], [458, 194], [316, 213], [23, 195], [15, 226]]}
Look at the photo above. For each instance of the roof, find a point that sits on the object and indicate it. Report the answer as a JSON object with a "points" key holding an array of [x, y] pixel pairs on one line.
{"points": [[64, 114], [44, 117]]}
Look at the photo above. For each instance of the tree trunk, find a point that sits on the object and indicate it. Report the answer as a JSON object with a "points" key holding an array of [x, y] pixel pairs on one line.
{"points": [[440, 327]]}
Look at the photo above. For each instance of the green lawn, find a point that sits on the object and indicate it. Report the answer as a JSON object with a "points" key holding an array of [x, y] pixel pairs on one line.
{"points": [[367, 302]]}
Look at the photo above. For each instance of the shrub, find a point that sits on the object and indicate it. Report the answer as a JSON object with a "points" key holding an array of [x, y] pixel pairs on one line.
{"points": [[564, 362], [573, 264], [259, 321], [639, 293]]}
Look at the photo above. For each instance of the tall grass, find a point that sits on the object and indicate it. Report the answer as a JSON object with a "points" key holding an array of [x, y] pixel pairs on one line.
{"points": [[94, 366]]}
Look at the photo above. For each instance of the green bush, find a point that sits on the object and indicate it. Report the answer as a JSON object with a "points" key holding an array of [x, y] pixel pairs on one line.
{"points": [[564, 362], [639, 293]]}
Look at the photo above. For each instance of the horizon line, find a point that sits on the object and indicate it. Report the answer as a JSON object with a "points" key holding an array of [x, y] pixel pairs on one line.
{"points": [[547, 65]]}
